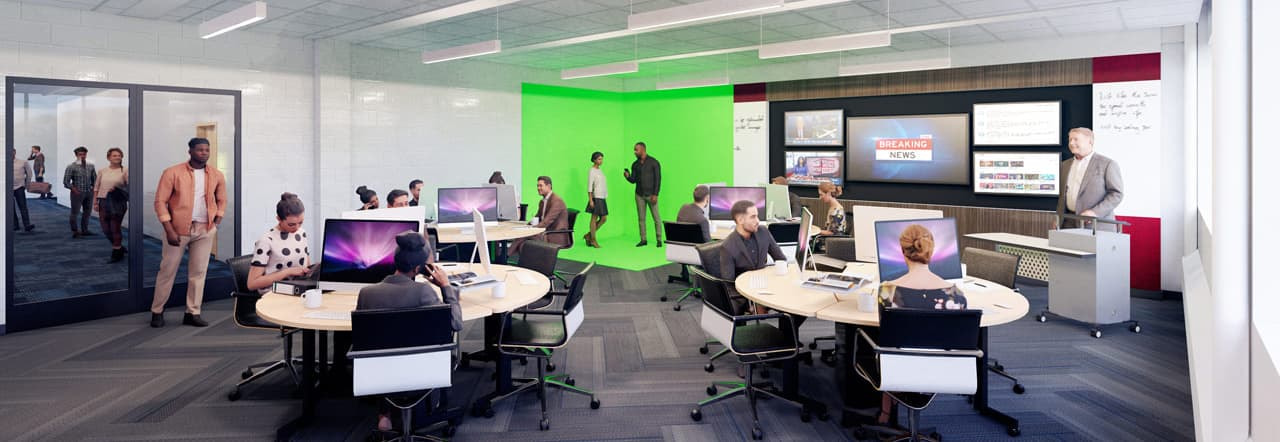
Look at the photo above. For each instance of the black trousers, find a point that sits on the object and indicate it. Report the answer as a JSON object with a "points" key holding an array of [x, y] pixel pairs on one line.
{"points": [[20, 199]]}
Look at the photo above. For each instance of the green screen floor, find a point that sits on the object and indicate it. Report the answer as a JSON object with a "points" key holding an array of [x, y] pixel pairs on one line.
{"points": [[618, 252]]}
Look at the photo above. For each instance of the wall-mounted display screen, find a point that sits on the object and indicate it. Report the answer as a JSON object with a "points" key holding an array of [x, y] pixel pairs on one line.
{"points": [[1016, 173], [814, 128], [811, 168], [930, 149], [1031, 123]]}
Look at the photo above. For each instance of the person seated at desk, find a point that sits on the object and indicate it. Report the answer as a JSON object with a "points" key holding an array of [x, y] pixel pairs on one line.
{"points": [[415, 188], [835, 224], [400, 291], [696, 212], [747, 248], [397, 198], [920, 288], [368, 198], [282, 252], [553, 214]]}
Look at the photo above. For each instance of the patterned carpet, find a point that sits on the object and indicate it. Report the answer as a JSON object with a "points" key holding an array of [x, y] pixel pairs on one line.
{"points": [[117, 379]]}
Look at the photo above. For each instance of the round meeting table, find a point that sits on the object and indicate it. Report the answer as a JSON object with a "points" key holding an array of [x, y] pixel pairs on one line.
{"points": [[521, 287], [786, 293], [501, 234]]}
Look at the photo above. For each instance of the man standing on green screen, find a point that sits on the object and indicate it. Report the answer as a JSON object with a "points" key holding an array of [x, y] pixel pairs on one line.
{"points": [[648, 181]]}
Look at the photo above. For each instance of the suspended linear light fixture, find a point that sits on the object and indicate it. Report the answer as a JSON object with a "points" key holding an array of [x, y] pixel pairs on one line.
{"points": [[236, 19]]}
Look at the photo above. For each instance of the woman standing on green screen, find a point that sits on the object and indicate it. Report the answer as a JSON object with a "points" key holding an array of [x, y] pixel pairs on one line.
{"points": [[597, 191]]}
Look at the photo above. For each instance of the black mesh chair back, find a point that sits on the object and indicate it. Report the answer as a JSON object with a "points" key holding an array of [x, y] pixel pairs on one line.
{"points": [[937, 329], [576, 287], [715, 292], [683, 233], [240, 272], [1000, 268], [785, 233], [709, 253], [401, 328], [539, 256]]}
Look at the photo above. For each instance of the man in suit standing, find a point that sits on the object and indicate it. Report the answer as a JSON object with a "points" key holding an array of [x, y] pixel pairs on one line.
{"points": [[747, 248], [1090, 183], [647, 177], [553, 214], [696, 212]]}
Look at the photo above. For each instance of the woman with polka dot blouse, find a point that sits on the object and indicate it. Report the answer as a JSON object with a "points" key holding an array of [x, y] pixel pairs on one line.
{"points": [[282, 252]]}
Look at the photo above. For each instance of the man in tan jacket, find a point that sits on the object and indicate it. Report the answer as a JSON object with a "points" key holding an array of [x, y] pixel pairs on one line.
{"points": [[190, 202], [552, 215]]}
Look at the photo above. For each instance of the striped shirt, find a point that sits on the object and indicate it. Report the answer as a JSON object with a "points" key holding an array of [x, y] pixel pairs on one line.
{"points": [[80, 177]]}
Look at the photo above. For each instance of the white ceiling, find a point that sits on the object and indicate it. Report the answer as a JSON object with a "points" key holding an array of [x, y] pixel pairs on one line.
{"points": [[547, 22]]}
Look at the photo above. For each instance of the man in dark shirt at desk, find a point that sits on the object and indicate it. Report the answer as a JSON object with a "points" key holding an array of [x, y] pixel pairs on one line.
{"points": [[747, 248], [696, 212], [399, 290], [648, 181]]}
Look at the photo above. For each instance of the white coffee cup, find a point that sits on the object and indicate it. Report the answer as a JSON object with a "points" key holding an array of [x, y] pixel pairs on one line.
{"points": [[867, 301], [313, 298], [780, 267], [500, 289]]}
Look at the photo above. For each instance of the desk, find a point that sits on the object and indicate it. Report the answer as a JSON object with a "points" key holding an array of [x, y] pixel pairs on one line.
{"points": [[504, 231], [721, 233], [789, 296], [1028, 242], [476, 303]]}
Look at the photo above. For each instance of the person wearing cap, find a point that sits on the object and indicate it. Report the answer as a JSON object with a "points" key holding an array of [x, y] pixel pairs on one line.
{"points": [[399, 290]]}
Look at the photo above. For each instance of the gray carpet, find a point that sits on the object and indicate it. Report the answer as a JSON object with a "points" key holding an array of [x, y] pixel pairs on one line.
{"points": [[116, 379]]}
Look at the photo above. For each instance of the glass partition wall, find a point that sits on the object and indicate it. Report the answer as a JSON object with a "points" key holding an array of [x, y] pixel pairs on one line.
{"points": [[90, 246]]}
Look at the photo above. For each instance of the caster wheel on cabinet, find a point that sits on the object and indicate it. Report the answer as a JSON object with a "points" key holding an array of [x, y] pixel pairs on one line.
{"points": [[234, 395], [1041, 317], [1097, 334], [1135, 328], [1019, 389]]}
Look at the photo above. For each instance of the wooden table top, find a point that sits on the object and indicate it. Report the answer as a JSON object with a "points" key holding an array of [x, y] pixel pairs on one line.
{"points": [[476, 302], [721, 233], [1000, 304], [504, 231]]}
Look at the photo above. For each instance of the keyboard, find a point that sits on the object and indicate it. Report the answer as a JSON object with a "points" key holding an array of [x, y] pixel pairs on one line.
{"points": [[462, 276], [472, 281], [335, 316]]}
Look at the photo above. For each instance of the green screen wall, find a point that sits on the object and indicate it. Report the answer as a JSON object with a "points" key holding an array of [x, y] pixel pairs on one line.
{"points": [[689, 132]]}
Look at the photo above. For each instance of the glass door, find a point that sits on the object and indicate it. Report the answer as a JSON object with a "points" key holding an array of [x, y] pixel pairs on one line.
{"points": [[68, 233]]}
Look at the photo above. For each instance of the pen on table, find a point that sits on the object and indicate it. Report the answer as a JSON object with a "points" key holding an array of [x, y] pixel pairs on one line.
{"points": [[1001, 306], [979, 284]]}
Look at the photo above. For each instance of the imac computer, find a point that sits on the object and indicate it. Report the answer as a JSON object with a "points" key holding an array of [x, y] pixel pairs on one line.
{"points": [[946, 248], [418, 214], [356, 253], [508, 204], [804, 255], [778, 197], [454, 205], [722, 199]]}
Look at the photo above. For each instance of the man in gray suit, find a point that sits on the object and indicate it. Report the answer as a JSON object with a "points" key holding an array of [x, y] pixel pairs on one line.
{"points": [[1090, 183], [399, 290], [696, 212]]}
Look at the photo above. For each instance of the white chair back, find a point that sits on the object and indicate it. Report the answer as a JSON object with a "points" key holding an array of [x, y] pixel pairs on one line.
{"points": [[717, 326], [683, 254], [928, 374], [401, 373], [572, 320]]}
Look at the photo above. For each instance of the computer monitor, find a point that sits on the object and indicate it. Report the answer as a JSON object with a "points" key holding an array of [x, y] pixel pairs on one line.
{"points": [[454, 205], [418, 213], [778, 197], [946, 247], [723, 198], [356, 253], [482, 242], [508, 204], [803, 255]]}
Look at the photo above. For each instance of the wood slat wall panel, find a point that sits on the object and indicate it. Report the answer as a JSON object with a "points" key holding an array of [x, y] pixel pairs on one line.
{"points": [[968, 219], [1008, 76]]}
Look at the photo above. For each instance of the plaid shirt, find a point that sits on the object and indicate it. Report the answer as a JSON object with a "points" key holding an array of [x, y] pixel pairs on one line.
{"points": [[80, 177]]}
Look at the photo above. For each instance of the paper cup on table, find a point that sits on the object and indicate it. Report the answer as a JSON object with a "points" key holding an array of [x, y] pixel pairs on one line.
{"points": [[780, 267], [499, 289], [867, 301], [313, 298]]}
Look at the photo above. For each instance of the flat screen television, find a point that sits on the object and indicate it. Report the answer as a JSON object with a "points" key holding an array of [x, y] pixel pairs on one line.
{"points": [[814, 128], [932, 149], [454, 205], [356, 253], [946, 248], [722, 199], [811, 168], [1017, 173]]}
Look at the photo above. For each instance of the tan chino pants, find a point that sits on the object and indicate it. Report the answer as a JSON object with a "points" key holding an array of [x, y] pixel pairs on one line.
{"points": [[199, 243]]}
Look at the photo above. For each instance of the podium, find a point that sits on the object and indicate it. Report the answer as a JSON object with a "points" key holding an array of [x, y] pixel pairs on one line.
{"points": [[1094, 288]]}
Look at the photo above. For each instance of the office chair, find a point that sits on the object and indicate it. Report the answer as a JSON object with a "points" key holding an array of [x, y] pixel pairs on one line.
{"points": [[541, 257], [405, 352], [922, 353], [433, 235], [755, 339], [709, 255], [1000, 268], [573, 218], [245, 313], [787, 235], [536, 338], [682, 239]]}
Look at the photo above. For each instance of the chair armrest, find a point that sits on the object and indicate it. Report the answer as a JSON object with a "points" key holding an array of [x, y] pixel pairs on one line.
{"points": [[548, 232], [523, 311], [930, 352], [246, 295], [400, 351], [862, 335]]}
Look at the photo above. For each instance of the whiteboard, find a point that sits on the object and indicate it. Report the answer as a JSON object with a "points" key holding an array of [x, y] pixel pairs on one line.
{"points": [[1031, 123], [1126, 128]]}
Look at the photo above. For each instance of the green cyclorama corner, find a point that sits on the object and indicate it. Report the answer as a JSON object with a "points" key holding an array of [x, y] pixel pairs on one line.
{"points": [[689, 131]]}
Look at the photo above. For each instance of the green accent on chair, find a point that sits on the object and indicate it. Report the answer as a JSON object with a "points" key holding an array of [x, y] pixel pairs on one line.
{"points": [[689, 131]]}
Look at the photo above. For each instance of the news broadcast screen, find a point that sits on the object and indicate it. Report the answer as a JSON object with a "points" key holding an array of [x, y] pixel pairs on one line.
{"points": [[932, 149], [1016, 173], [814, 128], [811, 168]]}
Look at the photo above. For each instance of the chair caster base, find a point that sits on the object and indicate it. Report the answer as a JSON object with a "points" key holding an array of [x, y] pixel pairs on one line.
{"points": [[709, 368], [544, 424], [1019, 389], [246, 374], [234, 395], [757, 433], [595, 404], [704, 350], [696, 414], [676, 308], [663, 299]]}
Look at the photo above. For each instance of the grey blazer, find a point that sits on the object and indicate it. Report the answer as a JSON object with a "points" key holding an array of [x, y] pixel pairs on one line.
{"points": [[691, 213], [1101, 190], [736, 258], [399, 291]]}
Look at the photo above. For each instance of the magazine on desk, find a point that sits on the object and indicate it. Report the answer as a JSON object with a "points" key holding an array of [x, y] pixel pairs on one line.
{"points": [[836, 281]]}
